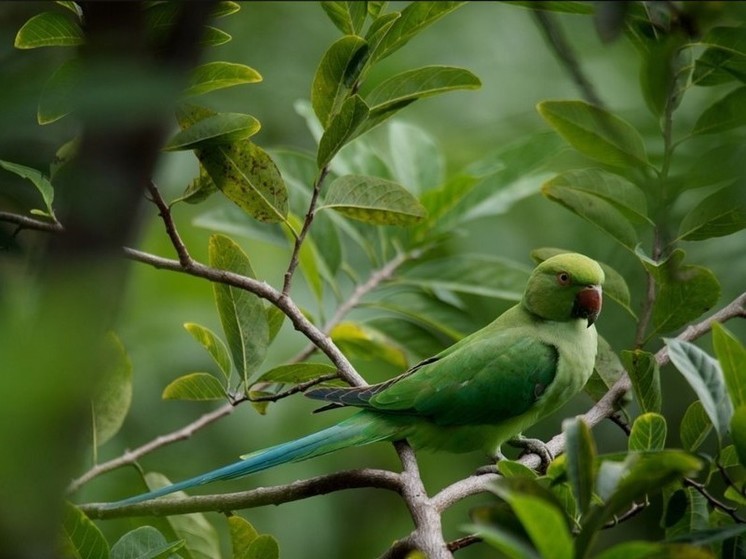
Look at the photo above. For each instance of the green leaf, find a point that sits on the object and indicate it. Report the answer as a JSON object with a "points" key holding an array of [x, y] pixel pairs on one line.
{"points": [[373, 200], [414, 19], [685, 292], [242, 171], [336, 76], [242, 534], [615, 286], [686, 512], [296, 373], [510, 468], [199, 190], [595, 132], [732, 356], [41, 182], [506, 542], [348, 17], [113, 394], [220, 129], [195, 386], [81, 538], [242, 313], [199, 534], [560, 7], [636, 549], [219, 75], [57, 96], [607, 370], [601, 213], [367, 343], [580, 455], [718, 215], [416, 160], [214, 37], [225, 8], [479, 274], [738, 432], [144, 542], [342, 128], [664, 73], [545, 525], [725, 58], [49, 29], [695, 426], [723, 115], [645, 376], [648, 433], [704, 375], [264, 546], [213, 344], [400, 90]]}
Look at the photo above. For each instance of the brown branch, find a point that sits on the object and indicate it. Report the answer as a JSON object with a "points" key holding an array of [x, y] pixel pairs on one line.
{"points": [[461, 543], [293, 264], [259, 497], [165, 212], [131, 456], [300, 387], [25, 222], [715, 503]]}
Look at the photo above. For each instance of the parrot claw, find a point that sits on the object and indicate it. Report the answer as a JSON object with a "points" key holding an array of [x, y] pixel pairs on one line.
{"points": [[533, 446]]}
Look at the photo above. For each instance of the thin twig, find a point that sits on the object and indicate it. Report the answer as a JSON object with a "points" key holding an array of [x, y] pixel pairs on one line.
{"points": [[259, 497], [631, 512], [564, 52], [131, 456], [461, 543], [727, 509], [300, 387], [25, 222], [294, 257], [165, 212]]}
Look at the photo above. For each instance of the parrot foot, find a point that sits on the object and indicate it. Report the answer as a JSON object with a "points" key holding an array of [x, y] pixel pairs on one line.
{"points": [[491, 468], [533, 446]]}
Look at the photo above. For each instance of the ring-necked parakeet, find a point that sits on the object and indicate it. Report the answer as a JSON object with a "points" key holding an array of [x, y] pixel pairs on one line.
{"points": [[476, 394]]}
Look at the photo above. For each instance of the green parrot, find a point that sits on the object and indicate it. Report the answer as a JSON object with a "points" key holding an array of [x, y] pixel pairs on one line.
{"points": [[480, 392]]}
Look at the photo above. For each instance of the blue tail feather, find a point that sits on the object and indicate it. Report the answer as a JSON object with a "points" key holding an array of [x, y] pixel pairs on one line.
{"points": [[355, 431]]}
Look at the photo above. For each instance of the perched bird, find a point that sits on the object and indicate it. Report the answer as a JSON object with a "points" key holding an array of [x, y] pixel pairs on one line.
{"points": [[476, 394]]}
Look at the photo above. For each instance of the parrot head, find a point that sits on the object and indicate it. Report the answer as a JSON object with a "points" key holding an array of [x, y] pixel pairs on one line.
{"points": [[565, 287]]}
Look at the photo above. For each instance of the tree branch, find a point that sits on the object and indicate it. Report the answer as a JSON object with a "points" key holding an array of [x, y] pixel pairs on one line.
{"points": [[165, 212], [259, 497]]}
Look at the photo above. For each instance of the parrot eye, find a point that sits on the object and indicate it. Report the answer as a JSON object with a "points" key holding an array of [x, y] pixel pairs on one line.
{"points": [[563, 278]]}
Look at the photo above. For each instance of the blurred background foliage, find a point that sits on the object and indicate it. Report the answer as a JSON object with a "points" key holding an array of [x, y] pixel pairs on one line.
{"points": [[284, 41]]}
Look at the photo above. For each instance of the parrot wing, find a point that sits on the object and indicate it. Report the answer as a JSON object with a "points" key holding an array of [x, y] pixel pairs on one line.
{"points": [[485, 381]]}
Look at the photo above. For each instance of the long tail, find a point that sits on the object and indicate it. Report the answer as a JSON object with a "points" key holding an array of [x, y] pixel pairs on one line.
{"points": [[360, 429]]}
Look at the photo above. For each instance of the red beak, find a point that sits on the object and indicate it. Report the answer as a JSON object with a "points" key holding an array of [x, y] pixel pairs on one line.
{"points": [[588, 303]]}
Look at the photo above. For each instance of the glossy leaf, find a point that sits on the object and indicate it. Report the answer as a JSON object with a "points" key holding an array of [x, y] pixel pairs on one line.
{"points": [[595, 132], [80, 537], [295, 373], [704, 375], [400, 90], [195, 386], [336, 75], [594, 209], [510, 545], [213, 344], [225, 8], [731, 354], [545, 525], [645, 376], [242, 313], [342, 128], [113, 395], [214, 37], [365, 342], [720, 214], [41, 182], [56, 99], [648, 433], [219, 75], [216, 130], [373, 200], [145, 542], [242, 534], [725, 114], [348, 17], [510, 468], [49, 29], [479, 274], [580, 455], [686, 512], [725, 58], [413, 20], [695, 426], [264, 546], [738, 432]]}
